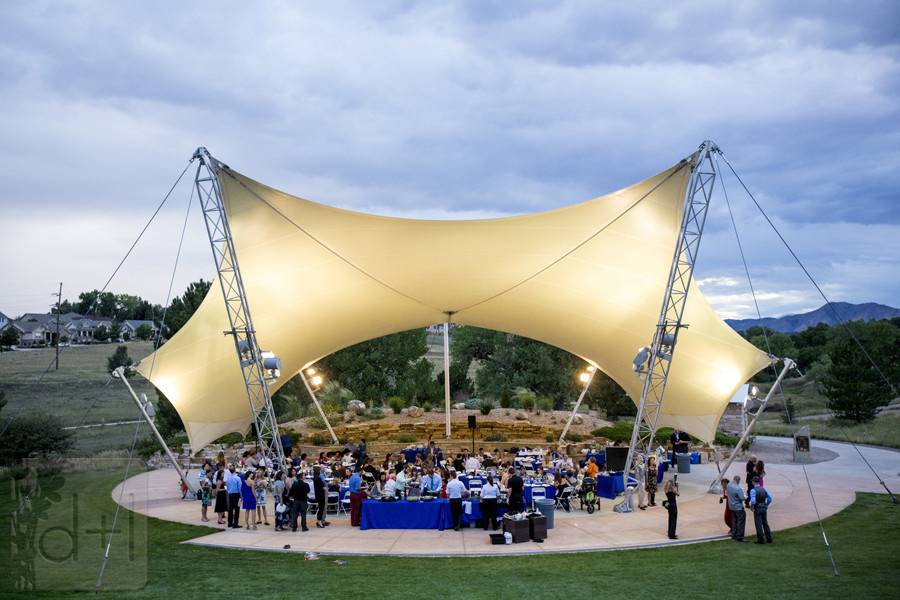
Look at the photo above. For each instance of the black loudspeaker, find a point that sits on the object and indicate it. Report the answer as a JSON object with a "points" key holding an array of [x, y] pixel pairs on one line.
{"points": [[471, 421], [616, 457]]}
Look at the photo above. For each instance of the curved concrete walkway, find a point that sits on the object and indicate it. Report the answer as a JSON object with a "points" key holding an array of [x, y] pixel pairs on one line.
{"points": [[700, 518]]}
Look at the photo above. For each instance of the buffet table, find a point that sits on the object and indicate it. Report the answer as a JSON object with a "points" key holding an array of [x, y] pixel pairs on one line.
{"points": [[402, 514]]}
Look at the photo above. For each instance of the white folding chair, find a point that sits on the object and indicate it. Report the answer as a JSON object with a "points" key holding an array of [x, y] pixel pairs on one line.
{"points": [[475, 485], [344, 506], [538, 492]]}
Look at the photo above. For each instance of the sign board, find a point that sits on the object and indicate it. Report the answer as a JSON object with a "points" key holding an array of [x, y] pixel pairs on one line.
{"points": [[802, 444]]}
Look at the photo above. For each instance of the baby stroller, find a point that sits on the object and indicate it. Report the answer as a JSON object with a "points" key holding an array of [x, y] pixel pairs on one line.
{"points": [[587, 494]]}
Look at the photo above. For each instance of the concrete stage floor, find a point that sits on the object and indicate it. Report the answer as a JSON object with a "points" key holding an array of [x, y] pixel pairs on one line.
{"points": [[700, 517]]}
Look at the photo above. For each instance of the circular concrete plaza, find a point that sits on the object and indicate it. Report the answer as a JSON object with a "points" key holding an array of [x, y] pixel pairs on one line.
{"points": [[835, 481]]}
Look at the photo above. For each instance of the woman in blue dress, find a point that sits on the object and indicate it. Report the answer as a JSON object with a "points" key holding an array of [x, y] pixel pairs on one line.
{"points": [[248, 499]]}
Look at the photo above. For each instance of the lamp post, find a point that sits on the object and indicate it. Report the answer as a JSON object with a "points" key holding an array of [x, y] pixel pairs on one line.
{"points": [[585, 377], [312, 379]]}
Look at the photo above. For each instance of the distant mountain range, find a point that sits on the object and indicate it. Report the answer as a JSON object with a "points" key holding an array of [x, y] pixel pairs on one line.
{"points": [[869, 311]]}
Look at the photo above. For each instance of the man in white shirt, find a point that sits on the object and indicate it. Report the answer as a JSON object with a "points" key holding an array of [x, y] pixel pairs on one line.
{"points": [[472, 464], [390, 488], [456, 489]]}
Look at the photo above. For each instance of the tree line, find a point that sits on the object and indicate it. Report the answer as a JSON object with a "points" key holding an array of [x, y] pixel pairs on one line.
{"points": [[829, 355]]}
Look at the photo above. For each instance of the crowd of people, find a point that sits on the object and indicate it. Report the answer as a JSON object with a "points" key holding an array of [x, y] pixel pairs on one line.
{"points": [[248, 491]]}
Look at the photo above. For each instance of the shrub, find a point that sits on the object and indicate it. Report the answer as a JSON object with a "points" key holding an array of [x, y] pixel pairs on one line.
{"points": [[526, 398], [495, 437], [544, 404], [39, 434], [506, 398], [315, 421], [396, 403], [486, 406], [406, 438], [230, 439], [372, 414], [550, 437], [320, 439], [574, 437], [119, 358], [620, 431], [334, 397]]}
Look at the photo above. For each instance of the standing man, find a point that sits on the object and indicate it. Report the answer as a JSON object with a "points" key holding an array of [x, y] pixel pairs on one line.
{"points": [[455, 491], [674, 439], [515, 486], [736, 504], [760, 499], [751, 473], [356, 497], [233, 487], [299, 498], [434, 454]]}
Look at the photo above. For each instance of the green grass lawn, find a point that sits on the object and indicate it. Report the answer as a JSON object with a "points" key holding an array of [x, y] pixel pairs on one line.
{"points": [[77, 393], [148, 562], [882, 431]]}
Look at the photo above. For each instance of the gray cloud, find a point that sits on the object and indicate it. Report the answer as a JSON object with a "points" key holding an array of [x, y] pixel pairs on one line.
{"points": [[468, 109]]}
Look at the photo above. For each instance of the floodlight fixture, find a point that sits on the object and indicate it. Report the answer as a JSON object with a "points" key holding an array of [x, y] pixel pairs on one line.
{"points": [[640, 360], [590, 368], [271, 365], [316, 380], [754, 391], [584, 377], [148, 406], [310, 371]]}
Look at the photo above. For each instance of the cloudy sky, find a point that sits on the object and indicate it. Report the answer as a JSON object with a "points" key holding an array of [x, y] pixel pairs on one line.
{"points": [[449, 110]]}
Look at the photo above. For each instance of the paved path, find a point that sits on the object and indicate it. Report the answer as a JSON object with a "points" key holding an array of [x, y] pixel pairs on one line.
{"points": [[835, 483]]}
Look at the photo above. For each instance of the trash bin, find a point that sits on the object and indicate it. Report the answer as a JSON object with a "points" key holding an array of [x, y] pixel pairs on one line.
{"points": [[546, 507], [684, 463]]}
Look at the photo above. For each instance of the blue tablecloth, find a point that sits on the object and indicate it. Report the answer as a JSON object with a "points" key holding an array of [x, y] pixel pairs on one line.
{"points": [[406, 515], [610, 485], [663, 466], [475, 515]]}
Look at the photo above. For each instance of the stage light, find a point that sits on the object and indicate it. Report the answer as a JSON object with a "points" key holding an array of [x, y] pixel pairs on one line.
{"points": [[640, 360], [668, 340], [310, 372], [316, 380], [591, 368], [271, 365], [754, 391], [584, 377]]}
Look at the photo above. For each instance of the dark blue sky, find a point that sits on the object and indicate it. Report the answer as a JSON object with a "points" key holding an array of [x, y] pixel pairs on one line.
{"points": [[455, 111]]}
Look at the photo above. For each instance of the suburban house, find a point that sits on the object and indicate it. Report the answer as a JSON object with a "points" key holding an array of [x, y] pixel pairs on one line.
{"points": [[39, 329], [130, 327], [4, 321]]}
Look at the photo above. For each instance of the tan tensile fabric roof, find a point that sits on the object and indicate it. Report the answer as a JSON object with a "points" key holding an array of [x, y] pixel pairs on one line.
{"points": [[588, 278]]}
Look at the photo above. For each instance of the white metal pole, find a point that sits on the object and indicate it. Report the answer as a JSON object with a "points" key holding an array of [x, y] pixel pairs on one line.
{"points": [[119, 373], [315, 400], [447, 376], [562, 436], [716, 486]]}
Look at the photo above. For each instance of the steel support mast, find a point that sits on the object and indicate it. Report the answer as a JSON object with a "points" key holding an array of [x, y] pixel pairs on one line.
{"points": [[654, 369], [240, 323]]}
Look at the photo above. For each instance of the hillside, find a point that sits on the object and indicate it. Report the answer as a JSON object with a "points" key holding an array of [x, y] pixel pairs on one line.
{"points": [[868, 311]]}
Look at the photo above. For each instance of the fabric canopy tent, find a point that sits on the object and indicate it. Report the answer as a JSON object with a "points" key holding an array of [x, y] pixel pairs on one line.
{"points": [[588, 278]]}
